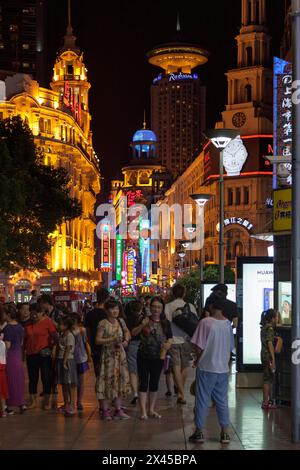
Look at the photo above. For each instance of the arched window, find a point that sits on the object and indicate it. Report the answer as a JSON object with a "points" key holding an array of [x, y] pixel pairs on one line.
{"points": [[249, 55], [248, 93]]}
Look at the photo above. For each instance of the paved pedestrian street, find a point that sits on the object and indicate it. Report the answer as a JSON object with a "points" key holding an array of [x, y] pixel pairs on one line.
{"points": [[251, 427]]}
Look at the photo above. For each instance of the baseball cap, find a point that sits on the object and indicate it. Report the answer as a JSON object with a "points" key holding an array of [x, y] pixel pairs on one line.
{"points": [[221, 288]]}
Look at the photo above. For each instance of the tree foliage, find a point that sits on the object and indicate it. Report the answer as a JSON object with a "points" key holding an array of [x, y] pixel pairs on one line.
{"points": [[191, 281], [34, 199]]}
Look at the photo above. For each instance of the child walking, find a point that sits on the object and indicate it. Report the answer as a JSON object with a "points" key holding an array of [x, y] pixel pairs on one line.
{"points": [[82, 356], [66, 366], [268, 322]]}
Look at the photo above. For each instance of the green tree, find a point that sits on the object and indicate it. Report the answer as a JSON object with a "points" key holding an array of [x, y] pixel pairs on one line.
{"points": [[191, 281], [34, 199]]}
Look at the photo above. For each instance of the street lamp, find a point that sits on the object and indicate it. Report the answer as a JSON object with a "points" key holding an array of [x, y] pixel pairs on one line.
{"points": [[296, 225], [221, 138], [190, 228], [201, 200]]}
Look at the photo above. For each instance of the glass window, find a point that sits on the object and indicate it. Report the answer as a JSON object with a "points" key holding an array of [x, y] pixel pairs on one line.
{"points": [[246, 195], [237, 196], [285, 302], [230, 197]]}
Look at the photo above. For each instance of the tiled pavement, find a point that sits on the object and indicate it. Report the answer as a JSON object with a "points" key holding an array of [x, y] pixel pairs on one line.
{"points": [[251, 428]]}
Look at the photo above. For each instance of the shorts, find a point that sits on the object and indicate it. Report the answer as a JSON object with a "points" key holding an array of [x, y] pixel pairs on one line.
{"points": [[268, 376], [131, 354], [181, 354]]}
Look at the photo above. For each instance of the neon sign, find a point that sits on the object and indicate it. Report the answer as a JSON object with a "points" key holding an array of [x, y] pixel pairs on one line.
{"points": [[175, 77], [131, 266], [105, 265], [236, 221], [119, 256], [133, 196], [283, 125], [145, 249]]}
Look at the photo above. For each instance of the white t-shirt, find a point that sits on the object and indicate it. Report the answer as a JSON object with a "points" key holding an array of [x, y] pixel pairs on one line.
{"points": [[179, 336], [64, 342], [215, 338], [2, 352]]}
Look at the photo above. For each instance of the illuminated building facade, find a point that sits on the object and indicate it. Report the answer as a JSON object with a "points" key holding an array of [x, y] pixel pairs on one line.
{"points": [[22, 37], [60, 122], [178, 102], [135, 261], [248, 219]]}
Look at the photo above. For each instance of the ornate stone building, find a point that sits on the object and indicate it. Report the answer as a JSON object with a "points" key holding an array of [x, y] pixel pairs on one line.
{"points": [[60, 122]]}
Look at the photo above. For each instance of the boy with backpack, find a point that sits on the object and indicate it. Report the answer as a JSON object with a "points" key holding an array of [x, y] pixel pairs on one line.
{"points": [[181, 349]]}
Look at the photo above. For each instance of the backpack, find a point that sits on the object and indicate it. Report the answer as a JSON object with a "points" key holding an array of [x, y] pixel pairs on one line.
{"points": [[150, 347], [186, 320]]}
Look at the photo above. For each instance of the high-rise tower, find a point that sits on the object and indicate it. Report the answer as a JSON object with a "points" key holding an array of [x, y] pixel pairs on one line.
{"points": [[177, 102], [22, 37]]}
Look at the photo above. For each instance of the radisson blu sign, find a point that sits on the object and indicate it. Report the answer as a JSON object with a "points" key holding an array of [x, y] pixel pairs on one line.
{"points": [[176, 77]]}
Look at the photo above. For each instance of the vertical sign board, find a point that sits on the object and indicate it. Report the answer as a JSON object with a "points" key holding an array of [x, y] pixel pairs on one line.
{"points": [[283, 125], [145, 248], [131, 266], [119, 257], [256, 275], [105, 263]]}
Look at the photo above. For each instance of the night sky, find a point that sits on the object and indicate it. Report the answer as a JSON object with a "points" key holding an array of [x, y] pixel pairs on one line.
{"points": [[115, 37]]}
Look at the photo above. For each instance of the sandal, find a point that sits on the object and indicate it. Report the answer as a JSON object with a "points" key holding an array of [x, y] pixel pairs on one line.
{"points": [[154, 415]]}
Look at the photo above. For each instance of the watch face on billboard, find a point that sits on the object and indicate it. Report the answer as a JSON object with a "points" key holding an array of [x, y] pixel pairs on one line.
{"points": [[258, 295]]}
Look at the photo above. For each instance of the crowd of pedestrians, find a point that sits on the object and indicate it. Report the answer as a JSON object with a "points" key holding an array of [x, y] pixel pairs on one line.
{"points": [[129, 345]]}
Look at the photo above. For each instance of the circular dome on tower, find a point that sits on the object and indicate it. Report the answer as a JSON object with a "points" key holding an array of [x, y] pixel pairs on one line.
{"points": [[144, 135]]}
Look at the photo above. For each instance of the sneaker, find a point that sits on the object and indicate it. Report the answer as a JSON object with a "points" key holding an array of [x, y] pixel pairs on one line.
{"points": [[272, 405], [120, 414], [134, 400], [79, 407], [69, 412], [265, 405], [9, 412], [197, 437], [224, 438], [3, 414], [181, 401], [106, 416]]}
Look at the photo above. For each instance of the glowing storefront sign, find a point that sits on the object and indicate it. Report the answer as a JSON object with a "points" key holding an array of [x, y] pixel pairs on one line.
{"points": [[105, 249], [283, 126], [119, 257], [131, 266], [282, 210]]}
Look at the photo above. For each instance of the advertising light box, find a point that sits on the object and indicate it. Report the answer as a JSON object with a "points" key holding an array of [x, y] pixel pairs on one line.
{"points": [[257, 281], [207, 291]]}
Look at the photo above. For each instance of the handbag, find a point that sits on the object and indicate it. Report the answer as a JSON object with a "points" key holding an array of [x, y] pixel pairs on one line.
{"points": [[186, 320], [45, 352]]}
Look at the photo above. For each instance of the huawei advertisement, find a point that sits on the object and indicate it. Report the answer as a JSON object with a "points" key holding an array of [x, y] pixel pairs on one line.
{"points": [[258, 295]]}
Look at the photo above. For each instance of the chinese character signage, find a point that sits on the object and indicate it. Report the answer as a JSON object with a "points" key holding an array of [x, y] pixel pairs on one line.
{"points": [[119, 257], [105, 264], [237, 221], [283, 125], [282, 211], [131, 266]]}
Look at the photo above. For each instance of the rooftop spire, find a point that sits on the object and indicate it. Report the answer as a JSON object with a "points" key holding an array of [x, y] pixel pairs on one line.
{"points": [[144, 123], [69, 39], [178, 29]]}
